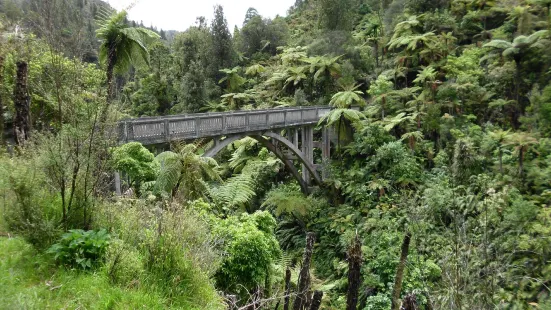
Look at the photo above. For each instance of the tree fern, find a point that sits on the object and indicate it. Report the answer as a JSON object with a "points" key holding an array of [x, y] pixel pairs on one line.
{"points": [[287, 200], [183, 173]]}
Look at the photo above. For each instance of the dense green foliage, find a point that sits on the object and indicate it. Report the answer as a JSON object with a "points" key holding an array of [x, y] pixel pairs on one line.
{"points": [[81, 249], [441, 127]]}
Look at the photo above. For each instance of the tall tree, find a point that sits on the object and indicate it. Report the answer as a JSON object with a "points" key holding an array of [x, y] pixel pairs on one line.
{"points": [[251, 13], [222, 46], [337, 14], [122, 46], [522, 142], [21, 101], [193, 94], [517, 51]]}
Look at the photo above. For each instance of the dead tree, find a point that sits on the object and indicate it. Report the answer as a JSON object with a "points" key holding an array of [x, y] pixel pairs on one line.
{"points": [[400, 273], [409, 303], [304, 275], [316, 300], [231, 301], [22, 123], [287, 289], [354, 274]]}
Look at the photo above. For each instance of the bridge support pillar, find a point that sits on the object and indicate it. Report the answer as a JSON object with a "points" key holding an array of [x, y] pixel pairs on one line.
{"points": [[292, 135], [308, 150], [118, 190], [325, 150]]}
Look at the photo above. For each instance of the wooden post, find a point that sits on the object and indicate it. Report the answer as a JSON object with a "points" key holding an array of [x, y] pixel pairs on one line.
{"points": [[304, 276]]}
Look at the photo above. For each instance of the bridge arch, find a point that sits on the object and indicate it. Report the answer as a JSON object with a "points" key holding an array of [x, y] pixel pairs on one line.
{"points": [[267, 139]]}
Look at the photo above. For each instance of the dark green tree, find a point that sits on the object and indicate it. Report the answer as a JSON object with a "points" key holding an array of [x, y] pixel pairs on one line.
{"points": [[223, 53]]}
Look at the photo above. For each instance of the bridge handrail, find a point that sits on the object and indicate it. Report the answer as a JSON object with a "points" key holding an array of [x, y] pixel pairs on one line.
{"points": [[152, 130]]}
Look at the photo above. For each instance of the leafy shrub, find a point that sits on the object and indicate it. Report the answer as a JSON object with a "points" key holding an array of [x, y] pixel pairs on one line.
{"points": [[378, 302], [251, 250], [81, 249], [136, 161]]}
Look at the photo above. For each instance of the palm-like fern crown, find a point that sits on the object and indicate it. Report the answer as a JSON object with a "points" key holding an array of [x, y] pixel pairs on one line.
{"points": [[519, 44], [122, 44], [186, 172], [349, 96]]}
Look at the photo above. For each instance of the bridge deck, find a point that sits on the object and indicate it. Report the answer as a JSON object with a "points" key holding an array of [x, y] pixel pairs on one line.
{"points": [[154, 130]]}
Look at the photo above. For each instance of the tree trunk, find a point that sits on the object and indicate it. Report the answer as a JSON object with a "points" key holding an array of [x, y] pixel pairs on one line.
{"points": [[410, 302], [287, 289], [521, 162], [111, 62], [316, 300], [304, 276], [519, 109], [354, 275], [377, 52], [21, 100], [383, 101], [500, 161], [400, 273], [1, 102]]}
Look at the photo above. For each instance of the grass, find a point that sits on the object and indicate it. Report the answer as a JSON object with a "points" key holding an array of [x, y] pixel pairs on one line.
{"points": [[30, 280]]}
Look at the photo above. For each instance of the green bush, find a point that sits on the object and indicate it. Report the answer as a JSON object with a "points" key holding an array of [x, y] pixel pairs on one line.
{"points": [[378, 302], [30, 209], [136, 161], [81, 249], [124, 264], [251, 251], [175, 246]]}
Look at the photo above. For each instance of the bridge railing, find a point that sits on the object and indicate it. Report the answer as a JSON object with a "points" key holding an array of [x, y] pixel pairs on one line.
{"points": [[152, 130]]}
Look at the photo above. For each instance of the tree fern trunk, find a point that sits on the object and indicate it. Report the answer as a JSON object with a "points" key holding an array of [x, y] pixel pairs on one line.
{"points": [[500, 161], [287, 289], [354, 275], [400, 273], [316, 300], [22, 124], [304, 276]]}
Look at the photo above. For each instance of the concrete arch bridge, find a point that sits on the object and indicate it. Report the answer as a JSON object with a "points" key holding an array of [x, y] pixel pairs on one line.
{"points": [[286, 132]]}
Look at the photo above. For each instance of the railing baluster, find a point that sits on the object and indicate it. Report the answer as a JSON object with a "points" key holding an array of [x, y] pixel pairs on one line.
{"points": [[167, 130], [197, 126]]}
